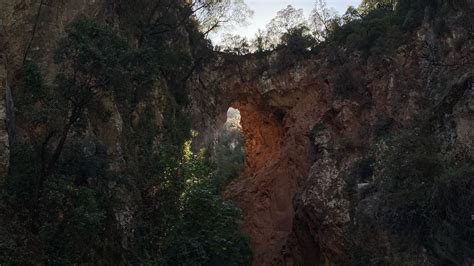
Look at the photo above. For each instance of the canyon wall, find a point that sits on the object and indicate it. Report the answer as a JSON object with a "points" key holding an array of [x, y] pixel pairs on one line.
{"points": [[305, 121]]}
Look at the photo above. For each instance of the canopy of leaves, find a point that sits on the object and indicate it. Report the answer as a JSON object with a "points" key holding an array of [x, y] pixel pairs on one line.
{"points": [[215, 14], [321, 18], [91, 58]]}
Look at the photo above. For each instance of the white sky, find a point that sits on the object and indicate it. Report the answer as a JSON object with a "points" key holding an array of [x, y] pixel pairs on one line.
{"points": [[265, 10]]}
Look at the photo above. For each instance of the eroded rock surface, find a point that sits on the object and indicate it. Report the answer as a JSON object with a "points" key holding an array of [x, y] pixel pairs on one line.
{"points": [[304, 121]]}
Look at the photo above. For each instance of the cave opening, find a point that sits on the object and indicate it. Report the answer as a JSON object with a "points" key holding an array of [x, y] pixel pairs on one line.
{"points": [[230, 148]]}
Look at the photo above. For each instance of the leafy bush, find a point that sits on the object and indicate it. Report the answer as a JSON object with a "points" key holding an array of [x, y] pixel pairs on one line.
{"points": [[381, 24], [22, 182], [427, 196], [189, 223], [207, 232], [411, 169], [73, 222], [452, 233], [92, 58], [67, 220], [379, 29], [298, 41], [421, 197]]}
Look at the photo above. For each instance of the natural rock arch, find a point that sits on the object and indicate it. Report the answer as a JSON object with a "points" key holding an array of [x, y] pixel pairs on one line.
{"points": [[277, 112]]}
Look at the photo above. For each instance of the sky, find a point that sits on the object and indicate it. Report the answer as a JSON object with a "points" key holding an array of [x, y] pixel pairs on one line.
{"points": [[265, 10]]}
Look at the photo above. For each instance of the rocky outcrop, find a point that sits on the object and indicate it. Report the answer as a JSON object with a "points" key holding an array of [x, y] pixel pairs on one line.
{"points": [[304, 120]]}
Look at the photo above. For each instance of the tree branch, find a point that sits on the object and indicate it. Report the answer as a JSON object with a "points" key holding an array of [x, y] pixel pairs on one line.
{"points": [[35, 26]]}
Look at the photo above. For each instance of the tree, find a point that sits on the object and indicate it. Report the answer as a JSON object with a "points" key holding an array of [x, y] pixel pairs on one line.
{"points": [[298, 40], [260, 43], [215, 14], [235, 44], [90, 66], [285, 20], [149, 19], [351, 14], [187, 221], [369, 5], [321, 19]]}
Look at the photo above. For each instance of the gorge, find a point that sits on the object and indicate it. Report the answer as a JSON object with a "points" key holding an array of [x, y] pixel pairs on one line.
{"points": [[327, 132]]}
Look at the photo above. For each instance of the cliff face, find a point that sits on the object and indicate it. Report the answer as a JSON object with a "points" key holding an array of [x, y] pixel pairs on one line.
{"points": [[5, 150], [30, 33], [305, 122]]}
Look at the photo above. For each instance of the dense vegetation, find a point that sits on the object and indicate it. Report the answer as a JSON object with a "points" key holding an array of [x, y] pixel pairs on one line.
{"points": [[375, 27], [423, 196], [63, 200], [230, 153], [67, 202]]}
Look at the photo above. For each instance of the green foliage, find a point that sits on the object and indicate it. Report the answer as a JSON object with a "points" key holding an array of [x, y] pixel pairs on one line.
{"points": [[421, 196], [297, 41], [169, 41], [381, 24], [189, 223], [23, 175], [410, 169], [73, 222], [369, 5], [30, 85], [62, 214], [452, 233], [229, 155], [430, 197], [86, 162], [214, 14], [91, 56], [234, 44], [35, 103], [379, 29], [69, 213], [91, 64], [207, 232]]}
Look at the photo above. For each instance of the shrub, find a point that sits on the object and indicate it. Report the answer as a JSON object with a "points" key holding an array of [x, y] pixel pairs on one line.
{"points": [[207, 232], [425, 196], [298, 41], [73, 220], [422, 197], [24, 169], [189, 224]]}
